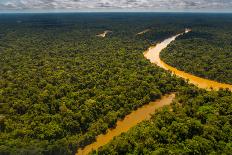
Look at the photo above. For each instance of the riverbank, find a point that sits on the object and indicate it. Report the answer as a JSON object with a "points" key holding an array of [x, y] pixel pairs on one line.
{"points": [[153, 54], [144, 113], [131, 120]]}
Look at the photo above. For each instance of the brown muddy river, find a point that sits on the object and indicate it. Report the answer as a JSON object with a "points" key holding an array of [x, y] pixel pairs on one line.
{"points": [[103, 35], [144, 113], [131, 120], [153, 54]]}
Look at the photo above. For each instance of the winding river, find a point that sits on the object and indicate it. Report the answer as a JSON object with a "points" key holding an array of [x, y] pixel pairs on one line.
{"points": [[153, 54], [144, 113], [131, 120]]}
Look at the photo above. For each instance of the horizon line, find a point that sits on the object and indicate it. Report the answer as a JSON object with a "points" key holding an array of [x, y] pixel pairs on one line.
{"points": [[57, 12]]}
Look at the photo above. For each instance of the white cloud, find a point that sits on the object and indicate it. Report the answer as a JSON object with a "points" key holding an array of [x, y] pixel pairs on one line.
{"points": [[114, 4]]}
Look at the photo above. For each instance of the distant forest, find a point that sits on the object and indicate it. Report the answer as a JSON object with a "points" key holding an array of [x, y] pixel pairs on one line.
{"points": [[61, 85]]}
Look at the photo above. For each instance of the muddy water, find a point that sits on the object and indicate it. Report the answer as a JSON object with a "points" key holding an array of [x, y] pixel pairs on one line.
{"points": [[143, 32], [153, 54], [144, 113], [103, 35], [131, 120]]}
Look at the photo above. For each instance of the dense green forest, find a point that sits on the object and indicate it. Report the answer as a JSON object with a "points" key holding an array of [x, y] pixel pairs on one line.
{"points": [[61, 86], [205, 52], [198, 122]]}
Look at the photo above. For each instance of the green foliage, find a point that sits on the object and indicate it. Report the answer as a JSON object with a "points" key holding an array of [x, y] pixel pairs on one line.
{"points": [[193, 125], [61, 86], [205, 52]]}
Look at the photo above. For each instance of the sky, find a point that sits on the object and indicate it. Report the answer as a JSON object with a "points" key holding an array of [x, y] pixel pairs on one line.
{"points": [[115, 5]]}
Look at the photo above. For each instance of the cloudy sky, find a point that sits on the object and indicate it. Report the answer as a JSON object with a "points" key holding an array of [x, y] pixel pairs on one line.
{"points": [[115, 5]]}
